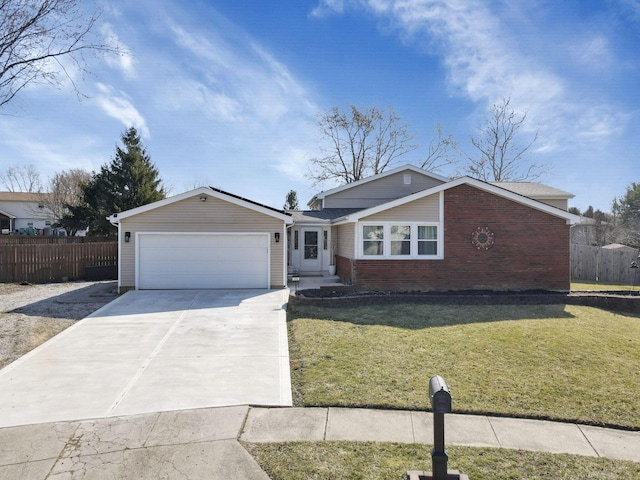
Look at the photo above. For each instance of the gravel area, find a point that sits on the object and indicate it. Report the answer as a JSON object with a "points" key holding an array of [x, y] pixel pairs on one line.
{"points": [[32, 314]]}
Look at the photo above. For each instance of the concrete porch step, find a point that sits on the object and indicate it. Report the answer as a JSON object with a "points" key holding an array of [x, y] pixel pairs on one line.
{"points": [[313, 282], [323, 279]]}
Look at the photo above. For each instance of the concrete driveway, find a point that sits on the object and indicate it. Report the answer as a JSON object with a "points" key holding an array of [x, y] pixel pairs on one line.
{"points": [[153, 351]]}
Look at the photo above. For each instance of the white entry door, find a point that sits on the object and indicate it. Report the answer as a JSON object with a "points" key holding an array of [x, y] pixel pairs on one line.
{"points": [[311, 250]]}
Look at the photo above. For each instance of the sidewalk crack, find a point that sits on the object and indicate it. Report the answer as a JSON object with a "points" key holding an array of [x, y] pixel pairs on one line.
{"points": [[588, 441], [326, 424], [495, 434]]}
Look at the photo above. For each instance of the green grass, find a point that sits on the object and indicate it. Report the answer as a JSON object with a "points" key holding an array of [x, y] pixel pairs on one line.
{"points": [[390, 461], [591, 286], [558, 362]]}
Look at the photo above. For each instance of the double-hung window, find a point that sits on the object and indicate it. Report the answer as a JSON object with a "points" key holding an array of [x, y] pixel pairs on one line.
{"points": [[373, 240], [427, 240], [400, 239], [410, 240]]}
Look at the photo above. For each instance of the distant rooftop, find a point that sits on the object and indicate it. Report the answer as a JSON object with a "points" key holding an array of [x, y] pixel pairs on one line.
{"points": [[534, 190], [21, 196]]}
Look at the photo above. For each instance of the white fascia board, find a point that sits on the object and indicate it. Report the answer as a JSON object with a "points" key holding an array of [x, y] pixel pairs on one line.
{"points": [[196, 192], [408, 166], [558, 212], [7, 214]]}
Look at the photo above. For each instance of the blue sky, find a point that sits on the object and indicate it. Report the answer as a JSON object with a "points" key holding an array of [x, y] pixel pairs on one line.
{"points": [[226, 93]]}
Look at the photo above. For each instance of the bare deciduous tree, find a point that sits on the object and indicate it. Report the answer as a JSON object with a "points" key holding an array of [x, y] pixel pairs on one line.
{"points": [[36, 35], [21, 178], [501, 158], [361, 142], [65, 189], [442, 151]]}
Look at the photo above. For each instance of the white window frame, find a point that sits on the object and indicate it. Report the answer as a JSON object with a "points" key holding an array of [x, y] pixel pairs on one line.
{"points": [[386, 245]]}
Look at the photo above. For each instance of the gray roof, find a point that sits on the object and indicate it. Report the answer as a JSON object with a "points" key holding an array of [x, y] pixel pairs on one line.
{"points": [[322, 216], [533, 190]]}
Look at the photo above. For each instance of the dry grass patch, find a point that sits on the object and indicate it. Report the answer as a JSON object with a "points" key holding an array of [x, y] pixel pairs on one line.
{"points": [[389, 461], [605, 287], [542, 361]]}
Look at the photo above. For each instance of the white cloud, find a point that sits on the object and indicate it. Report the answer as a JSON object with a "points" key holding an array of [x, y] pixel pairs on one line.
{"points": [[328, 7], [122, 60], [239, 80], [49, 154], [484, 62], [118, 106], [594, 52]]}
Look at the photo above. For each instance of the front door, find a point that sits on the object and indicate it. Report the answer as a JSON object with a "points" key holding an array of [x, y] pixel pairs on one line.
{"points": [[311, 251]]}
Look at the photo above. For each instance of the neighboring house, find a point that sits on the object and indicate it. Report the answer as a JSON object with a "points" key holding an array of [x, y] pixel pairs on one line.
{"points": [[204, 238], [22, 212], [405, 230]]}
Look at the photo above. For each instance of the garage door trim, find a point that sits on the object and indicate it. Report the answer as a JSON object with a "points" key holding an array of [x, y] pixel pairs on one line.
{"points": [[138, 235]]}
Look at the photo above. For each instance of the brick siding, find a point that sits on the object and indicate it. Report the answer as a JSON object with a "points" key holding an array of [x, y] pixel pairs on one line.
{"points": [[531, 251]]}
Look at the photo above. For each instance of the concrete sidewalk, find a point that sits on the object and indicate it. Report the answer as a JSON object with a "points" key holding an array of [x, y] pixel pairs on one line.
{"points": [[203, 443]]}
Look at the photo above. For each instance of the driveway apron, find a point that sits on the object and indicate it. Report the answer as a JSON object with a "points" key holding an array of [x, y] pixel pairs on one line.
{"points": [[152, 351]]}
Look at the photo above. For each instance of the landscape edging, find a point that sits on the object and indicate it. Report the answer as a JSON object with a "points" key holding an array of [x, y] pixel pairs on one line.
{"points": [[622, 303]]}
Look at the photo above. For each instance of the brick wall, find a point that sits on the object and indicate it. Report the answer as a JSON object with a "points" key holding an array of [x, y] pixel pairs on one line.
{"points": [[344, 268], [531, 250]]}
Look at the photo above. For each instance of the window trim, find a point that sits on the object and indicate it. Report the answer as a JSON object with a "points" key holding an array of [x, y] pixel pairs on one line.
{"points": [[386, 242]]}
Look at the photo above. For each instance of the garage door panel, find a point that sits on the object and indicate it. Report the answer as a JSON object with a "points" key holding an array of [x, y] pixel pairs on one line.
{"points": [[202, 268], [205, 281], [174, 261], [197, 255], [204, 241]]}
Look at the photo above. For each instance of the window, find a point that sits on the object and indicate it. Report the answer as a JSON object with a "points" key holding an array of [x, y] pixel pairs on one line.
{"points": [[401, 240], [372, 239], [404, 241], [407, 179], [296, 236], [310, 245], [427, 240], [325, 239]]}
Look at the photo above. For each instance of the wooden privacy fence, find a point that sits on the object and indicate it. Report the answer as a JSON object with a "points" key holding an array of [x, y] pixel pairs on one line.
{"points": [[45, 263], [604, 265], [28, 239]]}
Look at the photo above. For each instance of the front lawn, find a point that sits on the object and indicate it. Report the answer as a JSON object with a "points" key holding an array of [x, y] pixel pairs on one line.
{"points": [[596, 286], [560, 362], [390, 461]]}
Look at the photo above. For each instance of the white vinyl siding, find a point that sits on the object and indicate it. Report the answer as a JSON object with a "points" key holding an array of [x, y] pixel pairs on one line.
{"points": [[425, 209], [346, 240], [213, 216], [380, 191], [560, 203]]}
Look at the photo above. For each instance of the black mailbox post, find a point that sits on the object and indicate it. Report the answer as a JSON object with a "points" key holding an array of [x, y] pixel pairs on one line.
{"points": [[440, 404]]}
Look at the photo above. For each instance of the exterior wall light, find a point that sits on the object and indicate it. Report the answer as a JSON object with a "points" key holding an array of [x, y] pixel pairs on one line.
{"points": [[203, 198], [277, 237], [127, 236]]}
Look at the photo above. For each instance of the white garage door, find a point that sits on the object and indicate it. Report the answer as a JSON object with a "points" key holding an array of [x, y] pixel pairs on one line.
{"points": [[179, 261]]}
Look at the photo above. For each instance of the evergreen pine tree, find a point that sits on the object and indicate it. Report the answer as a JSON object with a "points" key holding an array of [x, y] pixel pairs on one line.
{"points": [[130, 180]]}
